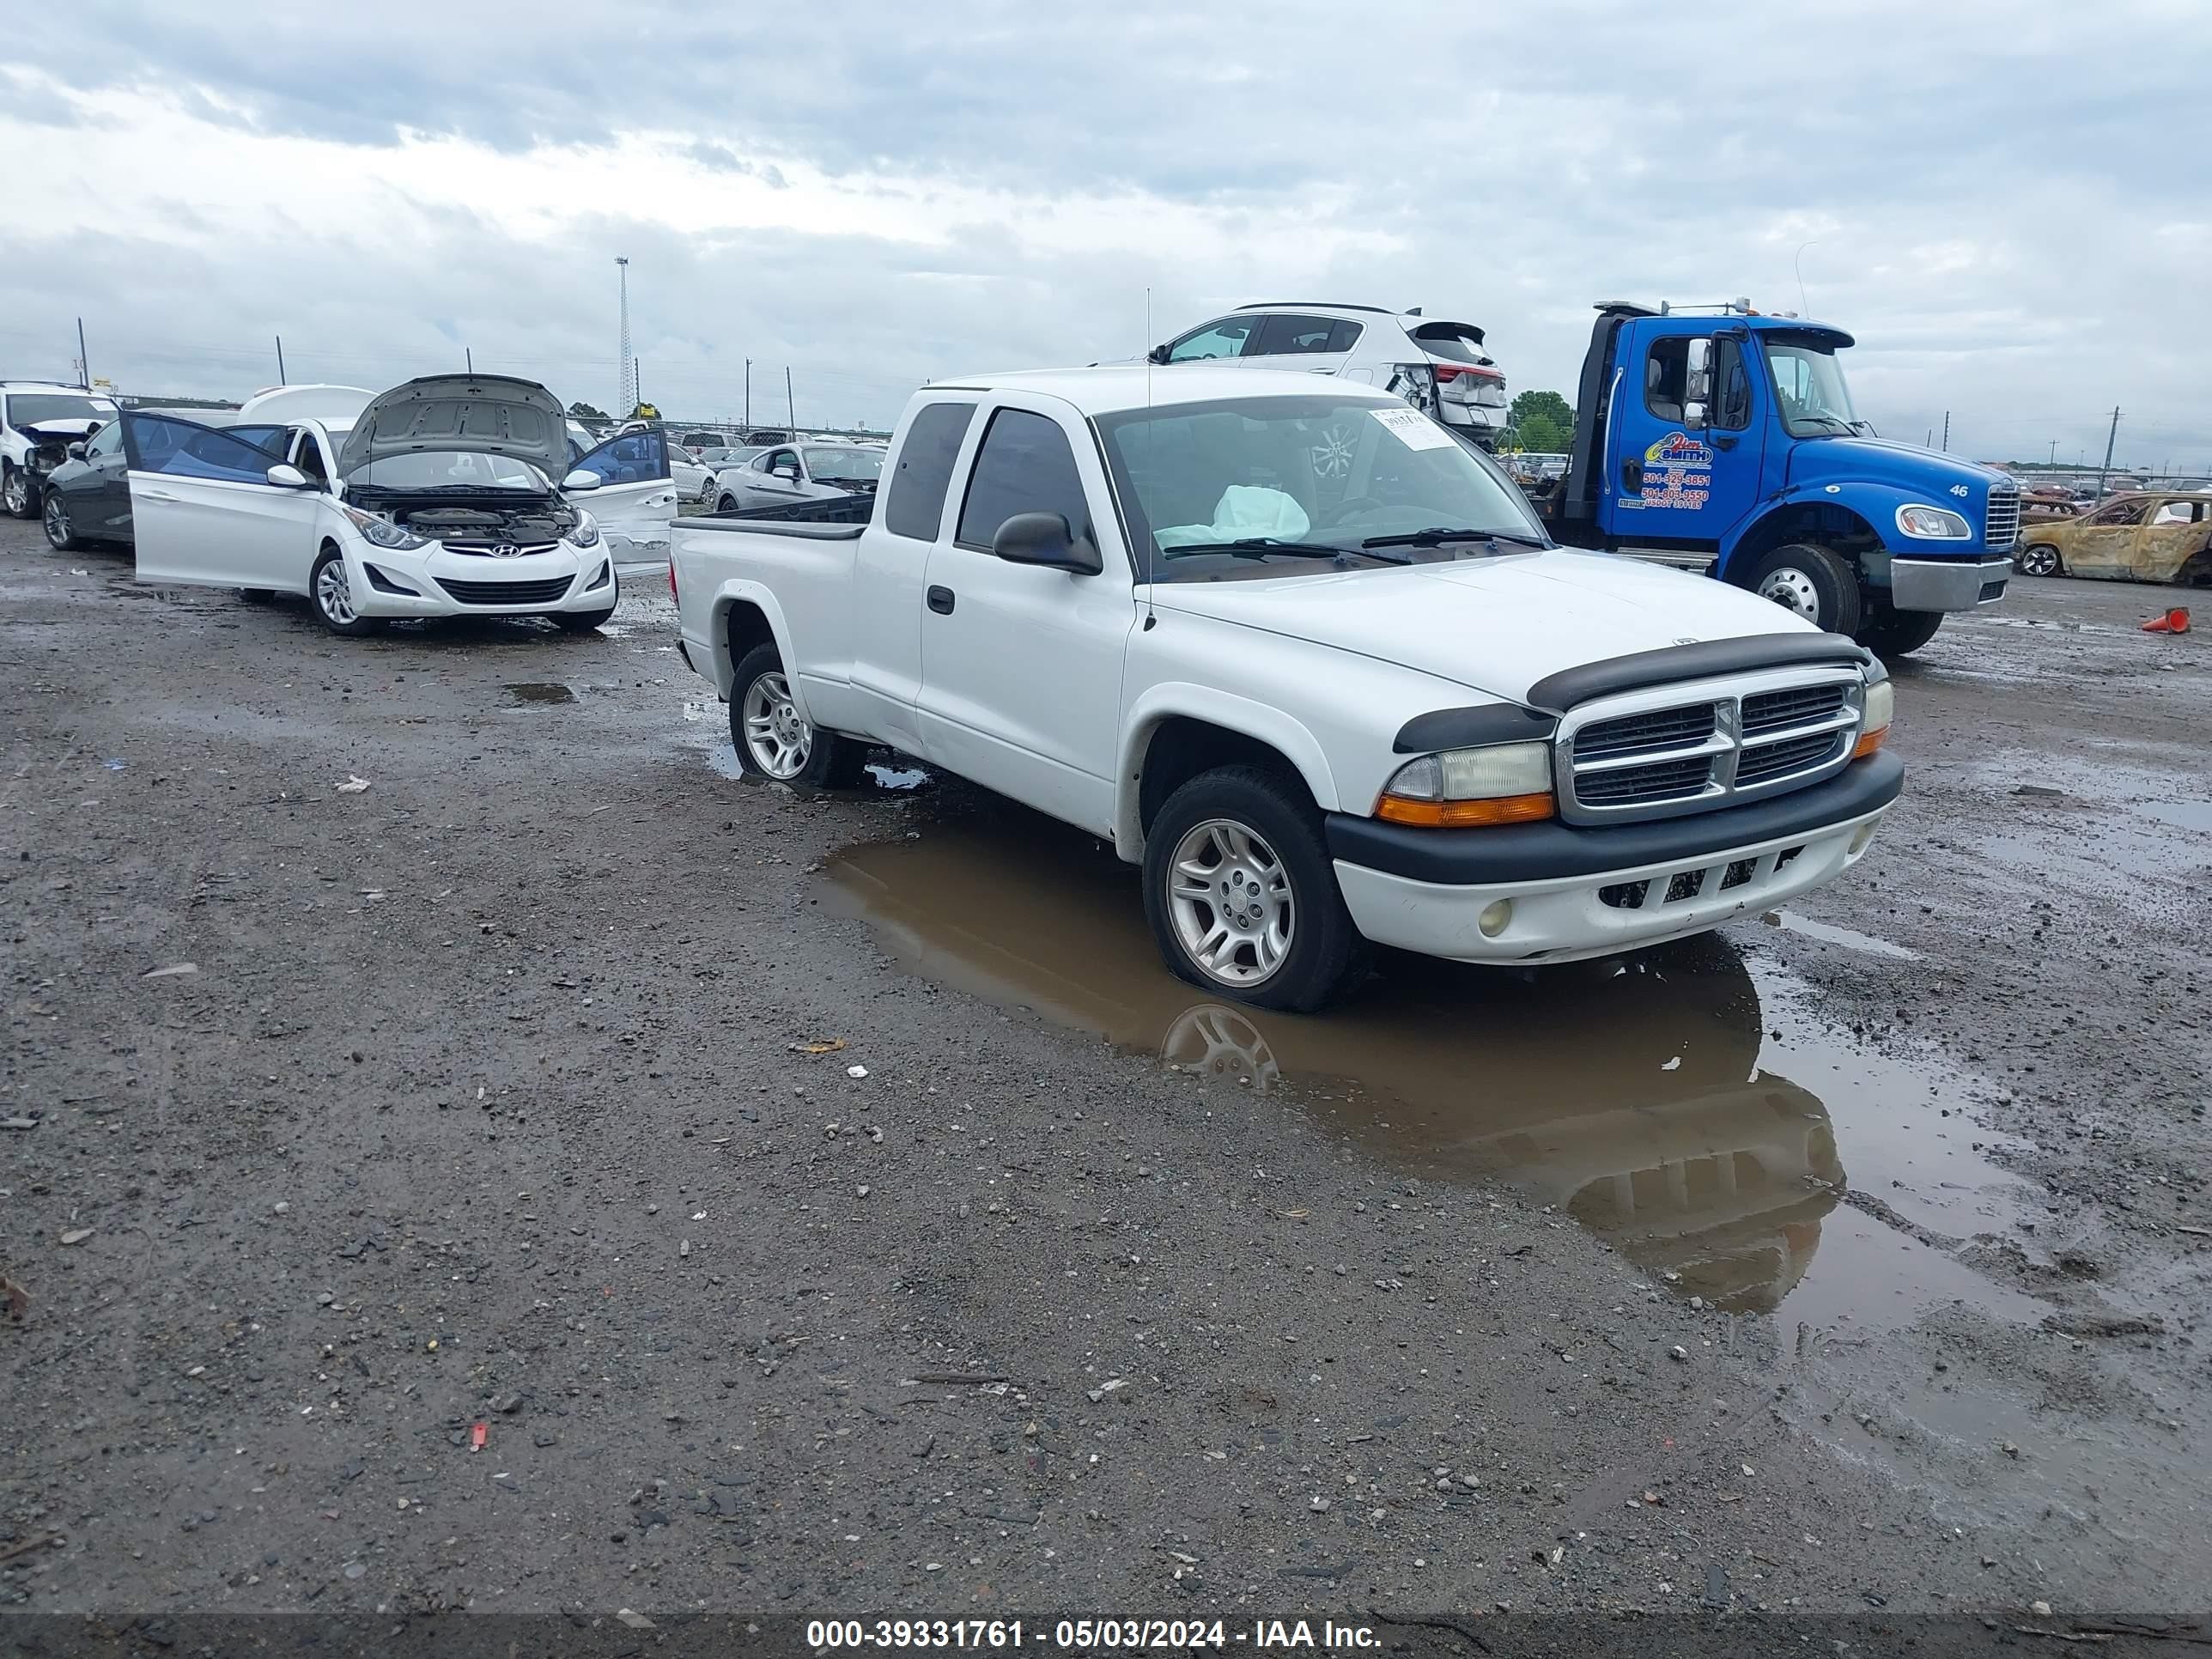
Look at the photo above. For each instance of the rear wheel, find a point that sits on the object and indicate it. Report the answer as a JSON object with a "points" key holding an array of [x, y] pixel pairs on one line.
{"points": [[1242, 896], [1889, 632], [330, 593], [725, 504], [61, 534], [2039, 559], [775, 741], [1811, 581], [17, 494]]}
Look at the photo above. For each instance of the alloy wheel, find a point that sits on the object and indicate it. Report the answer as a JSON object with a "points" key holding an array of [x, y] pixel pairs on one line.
{"points": [[1230, 898], [334, 595], [2040, 560], [18, 495], [56, 518], [776, 733]]}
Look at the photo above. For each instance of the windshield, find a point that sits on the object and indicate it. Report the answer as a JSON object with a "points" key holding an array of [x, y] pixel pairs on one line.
{"points": [[1323, 472], [446, 469], [1809, 390], [37, 408], [844, 463]]}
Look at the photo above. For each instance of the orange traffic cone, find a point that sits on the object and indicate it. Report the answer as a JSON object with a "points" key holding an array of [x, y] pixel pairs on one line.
{"points": [[2175, 621]]}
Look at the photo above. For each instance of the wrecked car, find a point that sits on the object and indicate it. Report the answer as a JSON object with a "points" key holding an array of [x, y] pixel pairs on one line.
{"points": [[437, 501], [2146, 537]]}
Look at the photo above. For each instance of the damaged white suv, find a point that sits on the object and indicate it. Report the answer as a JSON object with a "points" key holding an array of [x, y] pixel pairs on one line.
{"points": [[38, 423], [438, 501]]}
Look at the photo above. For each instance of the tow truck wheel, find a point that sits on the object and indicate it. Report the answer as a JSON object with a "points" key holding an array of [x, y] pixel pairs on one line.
{"points": [[1815, 583], [16, 492], [1889, 632], [2039, 559]]}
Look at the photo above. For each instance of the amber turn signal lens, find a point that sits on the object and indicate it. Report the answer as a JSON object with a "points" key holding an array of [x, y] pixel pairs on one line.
{"points": [[1869, 742], [1463, 814]]}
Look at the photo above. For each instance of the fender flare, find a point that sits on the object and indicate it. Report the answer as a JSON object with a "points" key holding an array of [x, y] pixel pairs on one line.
{"points": [[1261, 721], [730, 594], [1876, 503]]}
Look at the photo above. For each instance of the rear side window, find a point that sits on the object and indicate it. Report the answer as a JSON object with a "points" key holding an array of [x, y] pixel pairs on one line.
{"points": [[915, 504], [185, 449], [1288, 335], [1024, 465]]}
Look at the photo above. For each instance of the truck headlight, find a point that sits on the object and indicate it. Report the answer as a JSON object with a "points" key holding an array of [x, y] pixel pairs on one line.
{"points": [[1881, 707], [1933, 524], [1464, 788], [382, 532]]}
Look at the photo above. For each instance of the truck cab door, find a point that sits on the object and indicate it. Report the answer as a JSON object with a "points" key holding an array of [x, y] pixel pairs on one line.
{"points": [[1676, 477], [204, 513], [635, 497]]}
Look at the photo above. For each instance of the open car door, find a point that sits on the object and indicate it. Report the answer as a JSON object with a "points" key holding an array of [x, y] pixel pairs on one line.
{"points": [[635, 497], [203, 512]]}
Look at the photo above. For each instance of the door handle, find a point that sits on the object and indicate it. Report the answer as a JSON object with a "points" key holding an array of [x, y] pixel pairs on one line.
{"points": [[1722, 441], [1632, 477], [940, 600]]}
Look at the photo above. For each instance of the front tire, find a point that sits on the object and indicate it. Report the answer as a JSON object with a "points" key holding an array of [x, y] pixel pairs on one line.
{"points": [[61, 534], [1811, 582], [329, 593], [1242, 896], [17, 493], [2040, 559], [725, 504], [774, 740], [1889, 632]]}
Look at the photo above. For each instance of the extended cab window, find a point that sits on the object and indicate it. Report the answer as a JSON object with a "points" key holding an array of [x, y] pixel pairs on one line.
{"points": [[916, 505], [1024, 465]]}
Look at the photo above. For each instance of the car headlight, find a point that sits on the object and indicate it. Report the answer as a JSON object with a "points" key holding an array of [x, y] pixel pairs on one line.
{"points": [[1933, 524], [382, 532], [586, 532], [1462, 788], [1881, 707]]}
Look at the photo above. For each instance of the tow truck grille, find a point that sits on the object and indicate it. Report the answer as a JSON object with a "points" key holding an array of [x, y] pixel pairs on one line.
{"points": [[2001, 524], [1782, 730]]}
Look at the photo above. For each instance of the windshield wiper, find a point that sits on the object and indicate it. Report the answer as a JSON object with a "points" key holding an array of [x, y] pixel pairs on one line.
{"points": [[1836, 421], [1437, 536], [1259, 547]]}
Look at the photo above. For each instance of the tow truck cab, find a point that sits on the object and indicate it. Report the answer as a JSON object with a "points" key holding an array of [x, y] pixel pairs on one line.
{"points": [[1726, 441]]}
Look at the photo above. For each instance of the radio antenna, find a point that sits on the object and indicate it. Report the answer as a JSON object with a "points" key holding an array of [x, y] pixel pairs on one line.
{"points": [[1151, 617]]}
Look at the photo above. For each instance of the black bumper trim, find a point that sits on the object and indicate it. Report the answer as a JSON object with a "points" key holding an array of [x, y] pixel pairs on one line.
{"points": [[1540, 852]]}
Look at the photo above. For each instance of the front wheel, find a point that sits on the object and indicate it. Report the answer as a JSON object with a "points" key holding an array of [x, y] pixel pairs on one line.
{"points": [[2039, 559], [17, 494], [1889, 632], [330, 593], [725, 504], [61, 534], [1812, 583], [775, 741], [1241, 895]]}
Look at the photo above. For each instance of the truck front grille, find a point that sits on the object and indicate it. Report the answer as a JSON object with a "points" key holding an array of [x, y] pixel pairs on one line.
{"points": [[1773, 733], [2001, 526]]}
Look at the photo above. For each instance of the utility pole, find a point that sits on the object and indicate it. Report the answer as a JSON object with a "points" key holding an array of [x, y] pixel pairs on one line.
{"points": [[83, 358], [2111, 437], [790, 414], [1947, 431], [2054, 452], [748, 392], [626, 392], [280, 361]]}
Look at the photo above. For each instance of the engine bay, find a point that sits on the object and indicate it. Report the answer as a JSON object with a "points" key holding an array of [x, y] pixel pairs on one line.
{"points": [[541, 518]]}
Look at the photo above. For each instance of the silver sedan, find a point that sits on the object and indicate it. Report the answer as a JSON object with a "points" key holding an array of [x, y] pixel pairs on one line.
{"points": [[790, 473]]}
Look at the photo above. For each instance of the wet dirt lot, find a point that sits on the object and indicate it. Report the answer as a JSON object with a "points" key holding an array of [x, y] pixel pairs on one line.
{"points": [[1854, 1258]]}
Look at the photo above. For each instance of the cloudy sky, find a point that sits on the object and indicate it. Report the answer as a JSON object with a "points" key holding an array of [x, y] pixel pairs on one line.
{"points": [[2008, 203]]}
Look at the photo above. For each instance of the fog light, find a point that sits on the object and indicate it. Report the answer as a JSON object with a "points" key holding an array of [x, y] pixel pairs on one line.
{"points": [[1861, 836], [1495, 915]]}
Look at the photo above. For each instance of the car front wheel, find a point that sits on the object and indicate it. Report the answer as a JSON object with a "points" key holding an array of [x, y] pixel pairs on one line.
{"points": [[2039, 559], [61, 534], [330, 592], [17, 493], [1241, 895]]}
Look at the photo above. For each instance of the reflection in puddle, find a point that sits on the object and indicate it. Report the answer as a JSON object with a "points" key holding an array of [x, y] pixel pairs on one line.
{"points": [[1644, 1097], [896, 776], [1832, 934], [540, 691]]}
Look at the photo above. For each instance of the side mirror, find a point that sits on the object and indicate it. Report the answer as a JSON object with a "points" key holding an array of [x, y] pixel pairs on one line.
{"points": [[582, 479], [1697, 379], [1693, 417], [77, 451], [1044, 539], [1159, 354], [287, 477]]}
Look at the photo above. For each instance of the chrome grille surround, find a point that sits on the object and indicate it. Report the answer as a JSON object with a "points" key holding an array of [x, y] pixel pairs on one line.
{"points": [[1701, 773], [2001, 518]]}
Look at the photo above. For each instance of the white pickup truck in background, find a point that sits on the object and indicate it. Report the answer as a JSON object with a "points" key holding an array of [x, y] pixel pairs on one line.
{"points": [[1307, 658]]}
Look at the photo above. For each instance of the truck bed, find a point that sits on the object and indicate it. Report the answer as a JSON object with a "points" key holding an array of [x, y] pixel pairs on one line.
{"points": [[832, 518]]}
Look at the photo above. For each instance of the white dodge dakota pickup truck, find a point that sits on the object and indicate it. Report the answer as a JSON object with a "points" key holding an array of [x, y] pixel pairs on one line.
{"points": [[1305, 658]]}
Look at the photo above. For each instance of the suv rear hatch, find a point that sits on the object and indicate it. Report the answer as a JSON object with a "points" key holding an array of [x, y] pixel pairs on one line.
{"points": [[1470, 391]]}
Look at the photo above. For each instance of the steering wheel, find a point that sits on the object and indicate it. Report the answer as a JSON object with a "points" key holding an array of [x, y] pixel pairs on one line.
{"points": [[1345, 507]]}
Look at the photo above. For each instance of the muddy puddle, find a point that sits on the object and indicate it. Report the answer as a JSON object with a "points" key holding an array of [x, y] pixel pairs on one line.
{"points": [[2103, 821], [885, 774], [534, 693], [1689, 1105]]}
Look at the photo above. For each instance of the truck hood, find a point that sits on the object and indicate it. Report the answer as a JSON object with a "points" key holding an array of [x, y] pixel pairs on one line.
{"points": [[1496, 624], [1886, 461], [472, 413]]}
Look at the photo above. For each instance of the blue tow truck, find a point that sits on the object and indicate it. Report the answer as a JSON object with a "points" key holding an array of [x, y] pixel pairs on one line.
{"points": [[1723, 441]]}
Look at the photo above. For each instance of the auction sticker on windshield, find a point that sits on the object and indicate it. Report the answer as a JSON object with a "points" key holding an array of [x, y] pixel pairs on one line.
{"points": [[1412, 428]]}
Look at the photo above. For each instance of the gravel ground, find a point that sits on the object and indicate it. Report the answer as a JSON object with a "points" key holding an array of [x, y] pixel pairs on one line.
{"points": [[479, 1103]]}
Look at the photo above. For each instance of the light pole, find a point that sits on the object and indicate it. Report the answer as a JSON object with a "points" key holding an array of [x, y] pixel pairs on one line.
{"points": [[626, 391]]}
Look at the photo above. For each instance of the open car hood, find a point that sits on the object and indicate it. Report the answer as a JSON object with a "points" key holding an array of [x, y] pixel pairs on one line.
{"points": [[474, 414]]}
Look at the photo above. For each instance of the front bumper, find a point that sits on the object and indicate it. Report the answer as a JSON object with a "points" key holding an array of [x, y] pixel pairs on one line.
{"points": [[1578, 893], [1947, 584], [445, 584]]}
